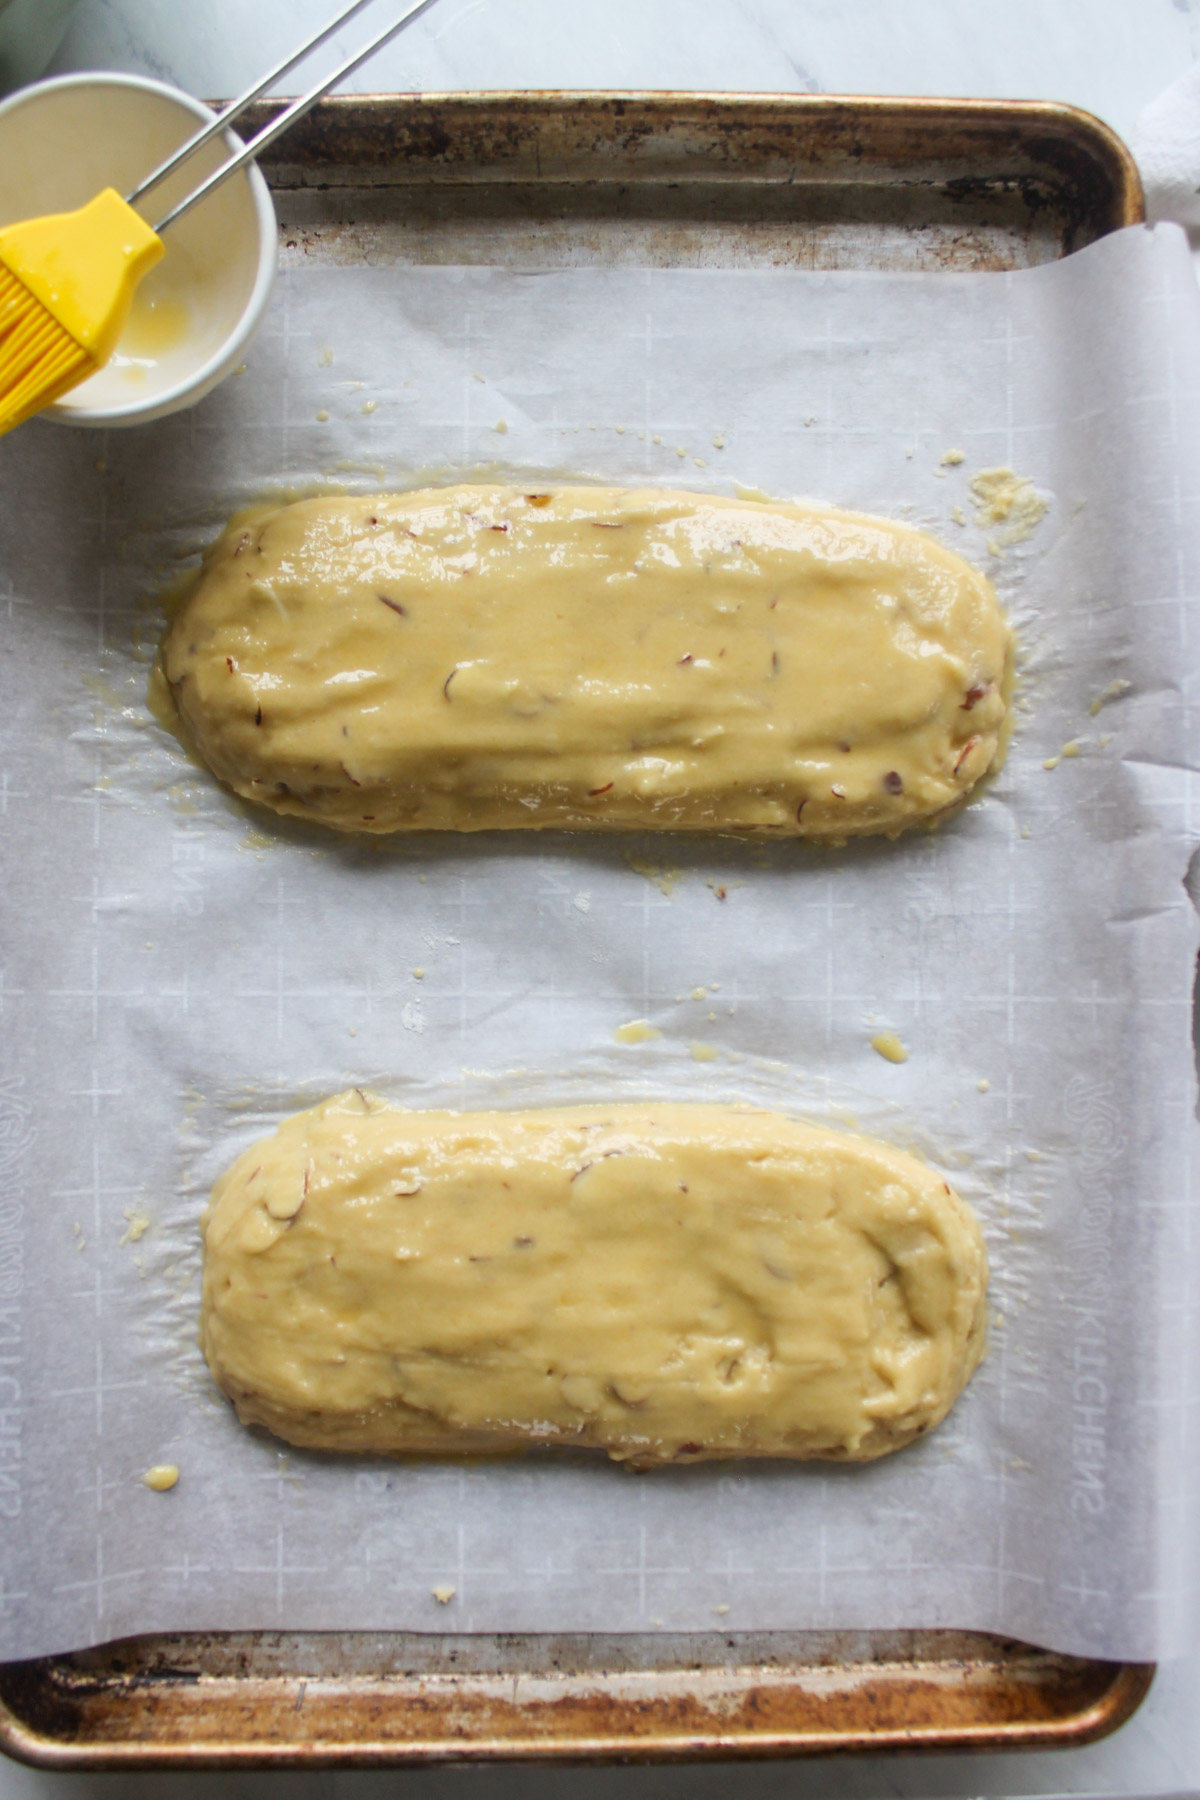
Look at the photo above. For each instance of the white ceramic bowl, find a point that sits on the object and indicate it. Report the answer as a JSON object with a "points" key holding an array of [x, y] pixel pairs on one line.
{"points": [[61, 141]]}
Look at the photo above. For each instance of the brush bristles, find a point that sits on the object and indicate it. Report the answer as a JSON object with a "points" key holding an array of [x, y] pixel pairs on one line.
{"points": [[39, 359]]}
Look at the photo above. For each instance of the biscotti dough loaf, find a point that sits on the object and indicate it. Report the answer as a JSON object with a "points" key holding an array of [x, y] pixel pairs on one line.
{"points": [[475, 657], [667, 1283]]}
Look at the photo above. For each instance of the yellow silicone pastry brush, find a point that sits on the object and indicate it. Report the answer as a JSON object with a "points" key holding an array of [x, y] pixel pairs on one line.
{"points": [[67, 280], [66, 284]]}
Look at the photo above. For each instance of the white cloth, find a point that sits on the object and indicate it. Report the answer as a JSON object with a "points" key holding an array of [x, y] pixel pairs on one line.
{"points": [[1166, 147]]}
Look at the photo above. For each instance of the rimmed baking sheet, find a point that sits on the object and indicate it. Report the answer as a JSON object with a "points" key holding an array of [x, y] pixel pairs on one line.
{"points": [[198, 466]]}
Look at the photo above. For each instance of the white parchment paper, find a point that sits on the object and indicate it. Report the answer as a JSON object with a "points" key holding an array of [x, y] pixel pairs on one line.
{"points": [[177, 974]]}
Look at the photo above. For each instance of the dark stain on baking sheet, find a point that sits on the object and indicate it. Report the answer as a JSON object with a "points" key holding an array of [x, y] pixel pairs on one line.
{"points": [[373, 1699], [800, 181]]}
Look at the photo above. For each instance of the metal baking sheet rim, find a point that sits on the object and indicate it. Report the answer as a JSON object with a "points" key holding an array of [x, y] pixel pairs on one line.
{"points": [[181, 1719], [900, 1706]]}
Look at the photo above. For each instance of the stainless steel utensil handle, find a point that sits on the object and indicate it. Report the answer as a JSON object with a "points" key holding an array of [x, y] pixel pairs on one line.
{"points": [[290, 114], [236, 107]]}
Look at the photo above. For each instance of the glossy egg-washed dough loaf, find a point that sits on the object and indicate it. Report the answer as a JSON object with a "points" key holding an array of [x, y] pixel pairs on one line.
{"points": [[667, 1283], [474, 657]]}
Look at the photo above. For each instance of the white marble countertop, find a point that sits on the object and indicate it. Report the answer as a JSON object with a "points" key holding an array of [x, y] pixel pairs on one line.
{"points": [[1110, 56]]}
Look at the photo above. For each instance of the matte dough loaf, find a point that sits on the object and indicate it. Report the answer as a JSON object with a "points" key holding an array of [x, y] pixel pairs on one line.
{"points": [[468, 658], [667, 1283]]}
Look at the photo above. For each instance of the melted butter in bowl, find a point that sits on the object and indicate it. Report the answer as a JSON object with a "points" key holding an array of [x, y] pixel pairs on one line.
{"points": [[60, 142], [159, 325]]}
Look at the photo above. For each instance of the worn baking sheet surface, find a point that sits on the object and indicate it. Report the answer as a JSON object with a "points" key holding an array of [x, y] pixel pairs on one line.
{"points": [[695, 180], [178, 974], [288, 1697]]}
